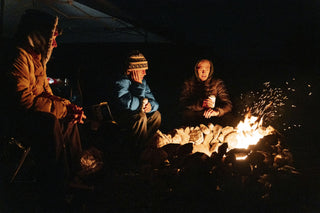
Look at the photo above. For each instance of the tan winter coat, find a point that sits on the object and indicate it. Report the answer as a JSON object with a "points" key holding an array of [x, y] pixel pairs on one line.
{"points": [[32, 87]]}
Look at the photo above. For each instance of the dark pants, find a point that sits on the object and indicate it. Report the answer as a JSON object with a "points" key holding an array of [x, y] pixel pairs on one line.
{"points": [[55, 144], [142, 126], [55, 149], [195, 118]]}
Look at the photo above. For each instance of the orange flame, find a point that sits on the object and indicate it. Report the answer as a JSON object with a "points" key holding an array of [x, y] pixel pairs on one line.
{"points": [[249, 132]]}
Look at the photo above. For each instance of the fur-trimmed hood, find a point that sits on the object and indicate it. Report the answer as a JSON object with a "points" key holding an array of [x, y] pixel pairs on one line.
{"points": [[35, 32]]}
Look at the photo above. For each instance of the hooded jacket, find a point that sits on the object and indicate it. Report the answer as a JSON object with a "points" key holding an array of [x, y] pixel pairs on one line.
{"points": [[195, 91], [27, 87]]}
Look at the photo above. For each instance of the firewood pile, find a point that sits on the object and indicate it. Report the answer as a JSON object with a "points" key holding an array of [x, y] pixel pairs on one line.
{"points": [[207, 155]]}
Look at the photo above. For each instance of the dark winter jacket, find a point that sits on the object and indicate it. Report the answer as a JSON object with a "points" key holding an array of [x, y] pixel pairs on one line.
{"points": [[196, 91]]}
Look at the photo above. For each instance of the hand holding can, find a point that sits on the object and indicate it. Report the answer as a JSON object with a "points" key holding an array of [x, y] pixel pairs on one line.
{"points": [[144, 103]]}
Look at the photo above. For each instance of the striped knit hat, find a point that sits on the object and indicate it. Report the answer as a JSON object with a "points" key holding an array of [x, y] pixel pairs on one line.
{"points": [[136, 61]]}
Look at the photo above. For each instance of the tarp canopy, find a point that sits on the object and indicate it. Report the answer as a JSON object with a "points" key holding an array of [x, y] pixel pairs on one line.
{"points": [[80, 23]]}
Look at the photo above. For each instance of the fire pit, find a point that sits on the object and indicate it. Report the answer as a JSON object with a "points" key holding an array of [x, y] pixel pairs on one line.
{"points": [[229, 157]]}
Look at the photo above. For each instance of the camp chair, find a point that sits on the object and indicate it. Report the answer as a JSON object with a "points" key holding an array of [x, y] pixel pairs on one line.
{"points": [[12, 147], [99, 113], [25, 153]]}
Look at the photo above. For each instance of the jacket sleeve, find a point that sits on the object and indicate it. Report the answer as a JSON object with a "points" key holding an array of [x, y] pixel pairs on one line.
{"points": [[224, 104], [151, 99], [53, 104], [125, 97], [27, 99], [188, 100]]}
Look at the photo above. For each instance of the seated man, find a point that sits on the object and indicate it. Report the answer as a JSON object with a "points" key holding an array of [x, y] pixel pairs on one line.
{"points": [[204, 99], [135, 104], [46, 122]]}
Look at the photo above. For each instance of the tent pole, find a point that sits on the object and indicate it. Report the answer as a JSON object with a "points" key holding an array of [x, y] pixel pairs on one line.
{"points": [[1, 17]]}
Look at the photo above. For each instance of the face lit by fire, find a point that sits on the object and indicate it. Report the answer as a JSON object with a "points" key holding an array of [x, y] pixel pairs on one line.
{"points": [[53, 45], [203, 70]]}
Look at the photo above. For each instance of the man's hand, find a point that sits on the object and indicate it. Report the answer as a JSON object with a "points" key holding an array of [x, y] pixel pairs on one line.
{"points": [[211, 113], [76, 114], [136, 76], [208, 103], [147, 108]]}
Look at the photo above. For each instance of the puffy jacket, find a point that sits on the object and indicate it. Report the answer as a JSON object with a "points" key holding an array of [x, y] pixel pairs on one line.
{"points": [[25, 78], [32, 90], [195, 92], [129, 95]]}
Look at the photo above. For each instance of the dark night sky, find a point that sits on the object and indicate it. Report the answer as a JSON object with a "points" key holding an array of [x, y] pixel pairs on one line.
{"points": [[248, 39], [236, 29], [252, 41]]}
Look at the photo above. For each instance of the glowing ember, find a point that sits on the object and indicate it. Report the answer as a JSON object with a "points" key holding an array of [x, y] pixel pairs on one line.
{"points": [[241, 157]]}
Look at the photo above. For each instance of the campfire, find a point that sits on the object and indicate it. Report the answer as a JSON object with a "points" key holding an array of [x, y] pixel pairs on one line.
{"points": [[208, 138], [251, 138], [249, 152]]}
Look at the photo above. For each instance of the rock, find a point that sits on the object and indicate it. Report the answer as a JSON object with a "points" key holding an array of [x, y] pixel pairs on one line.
{"points": [[216, 131], [225, 131], [204, 129], [154, 157], [184, 135], [196, 136], [162, 139]]}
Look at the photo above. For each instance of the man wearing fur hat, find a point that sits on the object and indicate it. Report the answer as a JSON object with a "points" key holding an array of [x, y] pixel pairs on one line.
{"points": [[46, 122], [137, 107], [204, 99]]}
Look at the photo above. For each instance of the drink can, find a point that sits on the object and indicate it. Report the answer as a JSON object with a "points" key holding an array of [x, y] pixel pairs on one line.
{"points": [[213, 98], [144, 103]]}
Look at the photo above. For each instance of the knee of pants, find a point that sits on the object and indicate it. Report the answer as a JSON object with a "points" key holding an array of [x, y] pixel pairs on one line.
{"points": [[141, 117], [156, 116]]}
